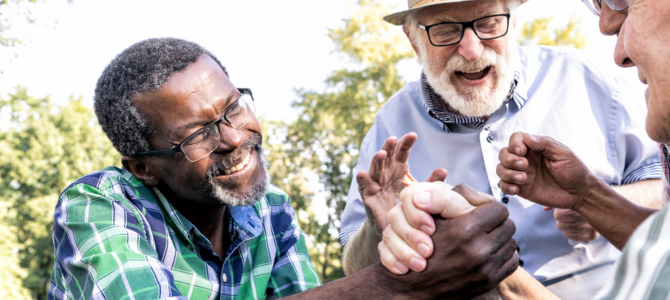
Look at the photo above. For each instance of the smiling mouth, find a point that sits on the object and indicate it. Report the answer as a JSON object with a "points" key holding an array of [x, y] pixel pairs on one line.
{"points": [[473, 75], [239, 166]]}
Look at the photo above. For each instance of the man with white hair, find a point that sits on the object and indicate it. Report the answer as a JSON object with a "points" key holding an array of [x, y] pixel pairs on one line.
{"points": [[476, 89]]}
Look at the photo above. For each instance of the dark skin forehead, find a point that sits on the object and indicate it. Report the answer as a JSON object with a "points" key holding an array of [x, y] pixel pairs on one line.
{"points": [[189, 100]]}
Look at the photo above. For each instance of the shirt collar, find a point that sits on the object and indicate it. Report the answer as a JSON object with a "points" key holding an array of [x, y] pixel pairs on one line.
{"points": [[435, 104], [247, 219]]}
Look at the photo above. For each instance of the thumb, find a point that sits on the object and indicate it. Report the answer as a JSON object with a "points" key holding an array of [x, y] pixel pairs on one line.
{"points": [[443, 201], [438, 175], [548, 147]]}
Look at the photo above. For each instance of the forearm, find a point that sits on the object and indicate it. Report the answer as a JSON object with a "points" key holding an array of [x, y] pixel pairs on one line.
{"points": [[611, 214], [646, 193], [374, 282], [361, 251], [519, 286]]}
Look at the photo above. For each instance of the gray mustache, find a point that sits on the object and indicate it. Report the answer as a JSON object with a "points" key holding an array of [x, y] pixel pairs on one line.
{"points": [[232, 159]]}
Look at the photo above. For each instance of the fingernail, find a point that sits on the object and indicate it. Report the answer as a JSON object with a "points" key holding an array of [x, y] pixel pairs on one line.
{"points": [[519, 165], [513, 190], [417, 264], [422, 198], [402, 268], [518, 177], [487, 196], [424, 250], [427, 229], [517, 151]]}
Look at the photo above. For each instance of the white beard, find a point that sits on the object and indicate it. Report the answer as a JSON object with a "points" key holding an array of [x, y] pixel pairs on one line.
{"points": [[480, 101]]}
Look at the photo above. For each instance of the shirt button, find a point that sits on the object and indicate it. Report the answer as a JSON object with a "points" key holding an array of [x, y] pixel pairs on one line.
{"points": [[520, 263], [505, 200], [489, 139], [225, 278]]}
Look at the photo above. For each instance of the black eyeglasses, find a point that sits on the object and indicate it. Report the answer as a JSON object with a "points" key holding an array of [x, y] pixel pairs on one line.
{"points": [[203, 142], [451, 33], [596, 6]]}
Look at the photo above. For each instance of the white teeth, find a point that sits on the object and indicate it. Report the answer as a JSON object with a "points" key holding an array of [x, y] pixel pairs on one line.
{"points": [[238, 166]]}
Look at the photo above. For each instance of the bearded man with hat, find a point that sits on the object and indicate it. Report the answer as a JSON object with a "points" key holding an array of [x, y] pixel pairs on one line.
{"points": [[477, 88]]}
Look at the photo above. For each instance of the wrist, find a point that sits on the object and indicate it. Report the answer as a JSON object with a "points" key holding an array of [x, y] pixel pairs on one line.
{"points": [[594, 191]]}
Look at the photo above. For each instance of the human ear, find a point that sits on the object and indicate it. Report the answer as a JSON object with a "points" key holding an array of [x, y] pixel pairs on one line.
{"points": [[405, 29], [141, 170]]}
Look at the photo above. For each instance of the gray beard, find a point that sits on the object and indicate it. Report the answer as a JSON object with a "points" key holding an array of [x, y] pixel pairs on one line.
{"points": [[223, 196]]}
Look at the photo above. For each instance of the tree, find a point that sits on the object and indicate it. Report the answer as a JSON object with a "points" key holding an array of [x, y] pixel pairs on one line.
{"points": [[538, 32], [43, 148], [323, 142]]}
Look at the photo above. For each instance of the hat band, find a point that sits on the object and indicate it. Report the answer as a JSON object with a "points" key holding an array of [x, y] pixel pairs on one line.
{"points": [[424, 2]]}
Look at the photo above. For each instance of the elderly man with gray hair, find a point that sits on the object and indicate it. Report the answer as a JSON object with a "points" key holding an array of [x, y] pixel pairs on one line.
{"points": [[476, 89]]}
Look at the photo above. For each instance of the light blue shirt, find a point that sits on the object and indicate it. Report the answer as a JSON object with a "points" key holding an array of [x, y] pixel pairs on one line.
{"points": [[560, 94]]}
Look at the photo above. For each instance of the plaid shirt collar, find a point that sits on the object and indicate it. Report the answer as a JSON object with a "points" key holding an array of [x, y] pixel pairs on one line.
{"points": [[435, 105], [245, 223]]}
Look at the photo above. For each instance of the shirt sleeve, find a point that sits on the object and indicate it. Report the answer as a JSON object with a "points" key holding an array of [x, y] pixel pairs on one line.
{"points": [[293, 271], [354, 215], [102, 251], [643, 269]]}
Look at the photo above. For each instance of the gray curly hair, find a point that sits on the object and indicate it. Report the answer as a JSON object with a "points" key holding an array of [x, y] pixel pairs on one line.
{"points": [[142, 67]]}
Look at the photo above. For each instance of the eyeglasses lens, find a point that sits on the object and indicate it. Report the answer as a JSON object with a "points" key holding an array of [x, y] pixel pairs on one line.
{"points": [[208, 138], [491, 27]]}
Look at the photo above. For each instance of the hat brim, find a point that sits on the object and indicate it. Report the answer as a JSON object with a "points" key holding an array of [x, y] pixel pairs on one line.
{"points": [[398, 18]]}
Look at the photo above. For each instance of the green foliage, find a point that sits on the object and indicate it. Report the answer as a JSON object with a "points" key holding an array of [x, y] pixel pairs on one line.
{"points": [[538, 32], [43, 148], [323, 142]]}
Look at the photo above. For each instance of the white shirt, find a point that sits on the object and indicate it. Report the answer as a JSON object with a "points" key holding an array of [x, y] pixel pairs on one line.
{"points": [[559, 94]]}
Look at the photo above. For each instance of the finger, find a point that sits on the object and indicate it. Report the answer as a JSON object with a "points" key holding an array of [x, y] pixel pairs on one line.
{"points": [[550, 148], [511, 265], [517, 144], [438, 175], [363, 182], [474, 197], [390, 146], [404, 146], [377, 165], [417, 239], [403, 252], [490, 216], [389, 261], [510, 175], [508, 188], [441, 200], [417, 217], [501, 235], [546, 208], [511, 160]]}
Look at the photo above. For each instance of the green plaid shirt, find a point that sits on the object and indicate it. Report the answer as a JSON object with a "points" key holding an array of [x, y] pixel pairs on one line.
{"points": [[114, 238]]}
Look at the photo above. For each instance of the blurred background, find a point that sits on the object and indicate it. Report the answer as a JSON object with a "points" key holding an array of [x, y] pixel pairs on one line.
{"points": [[319, 71]]}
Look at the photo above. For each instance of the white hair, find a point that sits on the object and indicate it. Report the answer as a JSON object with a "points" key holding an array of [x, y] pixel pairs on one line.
{"points": [[471, 101]]}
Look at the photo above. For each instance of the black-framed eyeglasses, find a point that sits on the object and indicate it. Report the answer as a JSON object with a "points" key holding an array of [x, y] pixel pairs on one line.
{"points": [[451, 33], [596, 6], [203, 142]]}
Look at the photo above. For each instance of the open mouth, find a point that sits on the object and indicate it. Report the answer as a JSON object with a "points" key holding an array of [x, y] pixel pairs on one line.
{"points": [[473, 75], [239, 166]]}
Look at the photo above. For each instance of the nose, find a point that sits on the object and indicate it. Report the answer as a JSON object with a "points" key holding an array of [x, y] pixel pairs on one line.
{"points": [[231, 138], [611, 21], [620, 56], [471, 46]]}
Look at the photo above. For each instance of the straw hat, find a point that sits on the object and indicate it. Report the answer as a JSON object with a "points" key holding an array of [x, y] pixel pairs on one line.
{"points": [[414, 5]]}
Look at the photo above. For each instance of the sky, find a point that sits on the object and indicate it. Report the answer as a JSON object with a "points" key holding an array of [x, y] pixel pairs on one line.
{"points": [[272, 47]]}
